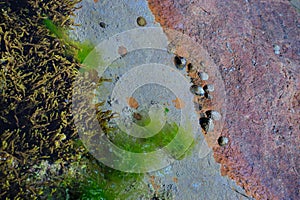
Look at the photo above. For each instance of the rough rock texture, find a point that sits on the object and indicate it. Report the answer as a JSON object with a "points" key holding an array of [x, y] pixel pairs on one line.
{"points": [[262, 86]]}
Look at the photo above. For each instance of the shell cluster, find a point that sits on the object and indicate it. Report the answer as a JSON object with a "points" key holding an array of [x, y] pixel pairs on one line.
{"points": [[203, 91]]}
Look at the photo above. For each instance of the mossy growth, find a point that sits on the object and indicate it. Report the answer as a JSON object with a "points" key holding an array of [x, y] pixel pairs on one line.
{"points": [[79, 50], [94, 181], [107, 183], [97, 181], [144, 145], [172, 137]]}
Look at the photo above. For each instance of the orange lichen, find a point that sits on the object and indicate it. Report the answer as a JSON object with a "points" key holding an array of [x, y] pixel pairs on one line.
{"points": [[175, 179], [132, 102], [178, 103], [122, 51]]}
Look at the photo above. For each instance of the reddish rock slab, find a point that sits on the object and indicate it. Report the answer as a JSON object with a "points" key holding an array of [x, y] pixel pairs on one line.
{"points": [[256, 46]]}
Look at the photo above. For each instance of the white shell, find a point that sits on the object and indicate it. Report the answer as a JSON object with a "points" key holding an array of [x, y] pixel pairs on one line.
{"points": [[210, 126], [223, 141], [215, 115], [210, 88], [203, 76], [197, 90]]}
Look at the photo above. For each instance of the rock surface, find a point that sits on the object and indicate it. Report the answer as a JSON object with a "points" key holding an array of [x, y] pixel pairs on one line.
{"points": [[197, 176], [255, 44]]}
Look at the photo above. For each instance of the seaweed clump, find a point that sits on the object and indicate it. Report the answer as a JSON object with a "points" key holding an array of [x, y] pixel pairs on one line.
{"points": [[37, 133]]}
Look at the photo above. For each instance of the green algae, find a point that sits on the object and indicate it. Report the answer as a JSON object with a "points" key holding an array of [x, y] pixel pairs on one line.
{"points": [[79, 50], [96, 181], [84, 49], [144, 145], [54, 29], [174, 138], [99, 180]]}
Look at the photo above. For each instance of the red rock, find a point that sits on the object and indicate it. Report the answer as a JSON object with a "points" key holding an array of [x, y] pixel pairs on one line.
{"points": [[262, 88]]}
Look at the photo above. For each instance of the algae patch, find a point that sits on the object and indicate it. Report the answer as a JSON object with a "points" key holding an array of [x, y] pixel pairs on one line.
{"points": [[73, 48]]}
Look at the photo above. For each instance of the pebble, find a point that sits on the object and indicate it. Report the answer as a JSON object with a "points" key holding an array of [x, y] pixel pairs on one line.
{"points": [[141, 21], [190, 67], [215, 115], [209, 88], [200, 107], [208, 96], [207, 124], [180, 62], [102, 25], [276, 49], [203, 76], [223, 141], [210, 126], [197, 90]]}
